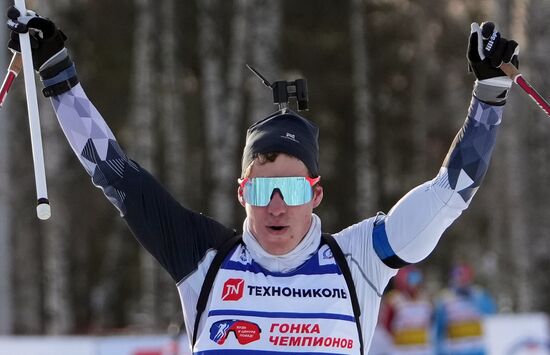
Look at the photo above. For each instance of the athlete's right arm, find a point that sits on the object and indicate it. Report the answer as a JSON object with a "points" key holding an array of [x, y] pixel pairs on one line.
{"points": [[177, 237]]}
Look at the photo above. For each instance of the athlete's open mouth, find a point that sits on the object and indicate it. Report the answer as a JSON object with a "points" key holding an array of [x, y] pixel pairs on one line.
{"points": [[277, 228]]}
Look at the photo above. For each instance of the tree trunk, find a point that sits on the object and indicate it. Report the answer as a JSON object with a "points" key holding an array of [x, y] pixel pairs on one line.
{"points": [[172, 115], [56, 231], [235, 76], [517, 182], [28, 279], [172, 110], [142, 142], [103, 294], [59, 315], [265, 20], [507, 221], [535, 20], [27, 241], [6, 292], [221, 111], [212, 98], [422, 62], [366, 172]]}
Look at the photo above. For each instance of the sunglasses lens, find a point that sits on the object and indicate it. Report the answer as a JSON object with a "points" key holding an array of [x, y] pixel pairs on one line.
{"points": [[295, 190]]}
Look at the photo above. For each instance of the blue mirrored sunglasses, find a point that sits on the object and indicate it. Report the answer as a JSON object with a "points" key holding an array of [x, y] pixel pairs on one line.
{"points": [[295, 190]]}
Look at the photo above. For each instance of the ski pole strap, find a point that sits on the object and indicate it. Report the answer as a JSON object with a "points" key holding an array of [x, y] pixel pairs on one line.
{"points": [[224, 249], [341, 261]]}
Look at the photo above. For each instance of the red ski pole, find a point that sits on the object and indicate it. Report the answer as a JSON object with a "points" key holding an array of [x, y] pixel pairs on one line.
{"points": [[511, 71], [15, 67]]}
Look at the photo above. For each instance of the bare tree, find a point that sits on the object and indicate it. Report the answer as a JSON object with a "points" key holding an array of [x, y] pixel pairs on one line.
{"points": [[56, 231], [424, 61], [212, 96], [509, 224], [6, 305], [235, 74], [142, 138], [27, 242], [265, 30], [367, 200], [172, 109], [497, 181], [221, 100], [104, 292], [535, 21], [172, 115], [517, 183], [59, 315]]}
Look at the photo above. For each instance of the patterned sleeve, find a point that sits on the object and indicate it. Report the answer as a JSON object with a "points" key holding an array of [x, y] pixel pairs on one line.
{"points": [[177, 237], [415, 224], [93, 143]]}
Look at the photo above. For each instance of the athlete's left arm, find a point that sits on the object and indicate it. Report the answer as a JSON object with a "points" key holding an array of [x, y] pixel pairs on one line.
{"points": [[413, 227], [415, 224]]}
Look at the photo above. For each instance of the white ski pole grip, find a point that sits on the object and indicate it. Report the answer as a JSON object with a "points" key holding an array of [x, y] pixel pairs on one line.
{"points": [[43, 205]]}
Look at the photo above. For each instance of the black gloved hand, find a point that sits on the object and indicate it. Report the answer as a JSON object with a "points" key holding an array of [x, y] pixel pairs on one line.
{"points": [[46, 39], [487, 50]]}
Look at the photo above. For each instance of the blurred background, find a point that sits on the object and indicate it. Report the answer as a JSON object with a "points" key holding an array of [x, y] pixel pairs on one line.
{"points": [[388, 86]]}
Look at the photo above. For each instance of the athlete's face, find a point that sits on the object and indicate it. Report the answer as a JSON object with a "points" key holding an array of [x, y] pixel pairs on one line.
{"points": [[279, 228]]}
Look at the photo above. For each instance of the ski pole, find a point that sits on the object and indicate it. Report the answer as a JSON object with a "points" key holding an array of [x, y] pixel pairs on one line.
{"points": [[13, 70], [43, 205], [511, 71]]}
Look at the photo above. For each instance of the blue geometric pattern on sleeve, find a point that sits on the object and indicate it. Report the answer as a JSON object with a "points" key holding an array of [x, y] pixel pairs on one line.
{"points": [[470, 154], [94, 143]]}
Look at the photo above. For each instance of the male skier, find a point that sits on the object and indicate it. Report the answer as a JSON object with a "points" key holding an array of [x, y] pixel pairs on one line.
{"points": [[407, 314], [283, 260], [459, 314]]}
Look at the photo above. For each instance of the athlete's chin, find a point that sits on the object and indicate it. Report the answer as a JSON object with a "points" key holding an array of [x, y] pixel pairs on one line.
{"points": [[278, 242]]}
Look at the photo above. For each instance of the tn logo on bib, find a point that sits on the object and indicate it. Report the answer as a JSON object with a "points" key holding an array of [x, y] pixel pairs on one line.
{"points": [[233, 290]]}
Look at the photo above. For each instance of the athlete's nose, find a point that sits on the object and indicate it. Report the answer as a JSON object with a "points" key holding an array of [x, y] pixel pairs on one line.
{"points": [[277, 205]]}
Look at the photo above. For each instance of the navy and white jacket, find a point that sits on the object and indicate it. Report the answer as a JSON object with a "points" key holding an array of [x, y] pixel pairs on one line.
{"points": [[285, 303]]}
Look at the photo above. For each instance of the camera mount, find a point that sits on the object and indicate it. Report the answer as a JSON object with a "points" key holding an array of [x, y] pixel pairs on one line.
{"points": [[283, 91]]}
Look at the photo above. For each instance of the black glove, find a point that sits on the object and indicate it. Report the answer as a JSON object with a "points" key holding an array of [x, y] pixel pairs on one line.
{"points": [[487, 50], [49, 55], [46, 39]]}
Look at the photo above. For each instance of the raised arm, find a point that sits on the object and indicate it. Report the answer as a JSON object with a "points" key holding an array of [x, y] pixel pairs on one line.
{"points": [[413, 227], [177, 237]]}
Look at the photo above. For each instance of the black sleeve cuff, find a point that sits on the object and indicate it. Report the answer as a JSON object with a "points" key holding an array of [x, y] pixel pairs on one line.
{"points": [[55, 69], [60, 88]]}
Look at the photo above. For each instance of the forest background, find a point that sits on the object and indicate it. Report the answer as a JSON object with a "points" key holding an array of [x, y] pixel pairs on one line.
{"points": [[388, 86]]}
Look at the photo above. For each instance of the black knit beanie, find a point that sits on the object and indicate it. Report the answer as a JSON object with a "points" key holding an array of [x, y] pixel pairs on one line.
{"points": [[284, 132]]}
